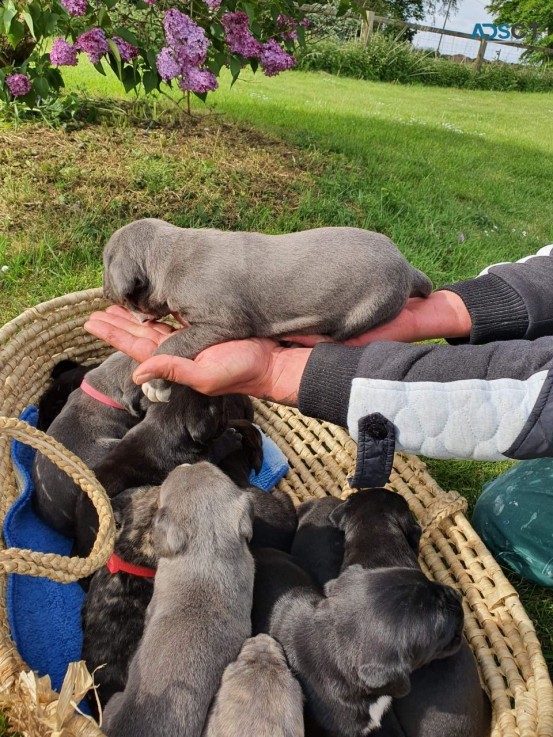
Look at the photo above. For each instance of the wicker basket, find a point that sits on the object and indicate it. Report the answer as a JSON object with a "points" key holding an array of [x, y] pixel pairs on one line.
{"points": [[321, 455]]}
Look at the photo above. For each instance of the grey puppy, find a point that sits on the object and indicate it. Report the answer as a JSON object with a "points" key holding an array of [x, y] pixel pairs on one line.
{"points": [[259, 696], [445, 697], [90, 429], [200, 613], [357, 648], [230, 285], [318, 544]]}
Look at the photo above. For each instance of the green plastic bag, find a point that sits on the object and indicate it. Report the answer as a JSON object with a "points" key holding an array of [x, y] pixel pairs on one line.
{"points": [[514, 518]]}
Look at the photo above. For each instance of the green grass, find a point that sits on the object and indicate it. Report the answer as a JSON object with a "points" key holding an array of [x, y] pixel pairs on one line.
{"points": [[459, 179]]}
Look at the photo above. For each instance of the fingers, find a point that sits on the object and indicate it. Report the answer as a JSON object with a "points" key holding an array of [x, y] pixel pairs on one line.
{"points": [[308, 340], [173, 368], [120, 317]]}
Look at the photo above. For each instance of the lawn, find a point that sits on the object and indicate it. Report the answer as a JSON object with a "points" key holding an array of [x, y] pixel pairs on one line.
{"points": [[459, 179]]}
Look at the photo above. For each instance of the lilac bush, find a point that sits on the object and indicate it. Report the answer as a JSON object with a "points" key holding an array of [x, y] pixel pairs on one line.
{"points": [[147, 43]]}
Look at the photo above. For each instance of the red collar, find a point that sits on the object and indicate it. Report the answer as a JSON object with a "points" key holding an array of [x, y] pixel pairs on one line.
{"points": [[117, 565], [99, 396]]}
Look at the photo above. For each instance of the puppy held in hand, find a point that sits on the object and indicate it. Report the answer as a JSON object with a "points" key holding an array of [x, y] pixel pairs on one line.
{"points": [[200, 612], [357, 648], [259, 696], [445, 697], [91, 423], [189, 428], [115, 606], [318, 544], [333, 281]]}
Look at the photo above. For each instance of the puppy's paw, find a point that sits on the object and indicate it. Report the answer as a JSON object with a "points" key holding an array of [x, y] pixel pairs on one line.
{"points": [[157, 390]]}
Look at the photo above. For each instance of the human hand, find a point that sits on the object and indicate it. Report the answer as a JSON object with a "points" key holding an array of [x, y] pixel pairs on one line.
{"points": [[257, 366], [441, 315]]}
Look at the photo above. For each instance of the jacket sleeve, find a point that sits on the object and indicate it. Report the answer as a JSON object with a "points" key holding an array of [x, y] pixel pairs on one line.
{"points": [[484, 402], [510, 301]]}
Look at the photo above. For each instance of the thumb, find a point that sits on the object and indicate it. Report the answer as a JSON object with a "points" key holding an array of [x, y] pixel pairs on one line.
{"points": [[172, 368]]}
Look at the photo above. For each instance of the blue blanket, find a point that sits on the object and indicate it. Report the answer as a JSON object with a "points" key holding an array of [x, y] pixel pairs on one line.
{"points": [[45, 616]]}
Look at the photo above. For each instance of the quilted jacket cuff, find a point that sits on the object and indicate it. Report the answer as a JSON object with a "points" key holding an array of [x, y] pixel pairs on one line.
{"points": [[326, 382], [497, 310]]}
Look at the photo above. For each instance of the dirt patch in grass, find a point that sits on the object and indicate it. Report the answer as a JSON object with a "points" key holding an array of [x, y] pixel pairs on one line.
{"points": [[205, 173]]}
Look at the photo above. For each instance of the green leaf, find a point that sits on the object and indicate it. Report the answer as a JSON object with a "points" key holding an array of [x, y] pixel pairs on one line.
{"points": [[201, 96], [100, 68], [150, 80], [41, 87], [29, 21], [8, 14], [116, 55], [250, 11], [129, 79], [16, 32], [110, 4], [126, 35], [50, 21], [104, 21], [235, 67]]}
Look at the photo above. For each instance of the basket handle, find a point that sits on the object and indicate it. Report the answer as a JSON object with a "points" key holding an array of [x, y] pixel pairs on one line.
{"points": [[64, 569]]}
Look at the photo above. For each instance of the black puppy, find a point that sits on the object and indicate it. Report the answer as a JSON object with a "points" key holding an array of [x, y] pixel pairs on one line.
{"points": [[249, 456], [66, 376], [445, 697], [115, 606], [318, 544], [355, 649], [275, 519], [189, 428]]}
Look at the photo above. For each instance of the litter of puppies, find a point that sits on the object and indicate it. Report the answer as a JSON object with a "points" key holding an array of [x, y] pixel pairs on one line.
{"points": [[224, 611]]}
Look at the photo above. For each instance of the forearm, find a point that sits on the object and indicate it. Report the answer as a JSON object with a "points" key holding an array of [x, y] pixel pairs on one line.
{"points": [[485, 402]]}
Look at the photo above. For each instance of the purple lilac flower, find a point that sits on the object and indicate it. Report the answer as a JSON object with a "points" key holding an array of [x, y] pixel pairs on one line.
{"points": [[238, 35], [187, 38], [94, 43], [18, 84], [63, 54], [213, 5], [274, 59], [286, 28], [166, 64], [127, 51], [75, 7], [305, 22], [198, 80]]}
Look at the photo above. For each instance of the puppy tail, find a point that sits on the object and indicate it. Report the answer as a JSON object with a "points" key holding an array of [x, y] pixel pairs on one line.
{"points": [[422, 286]]}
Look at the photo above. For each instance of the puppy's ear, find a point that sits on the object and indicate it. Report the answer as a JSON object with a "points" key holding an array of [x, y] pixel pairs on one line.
{"points": [[169, 538], [385, 678], [245, 516], [337, 515]]}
